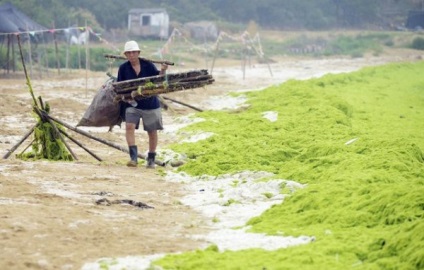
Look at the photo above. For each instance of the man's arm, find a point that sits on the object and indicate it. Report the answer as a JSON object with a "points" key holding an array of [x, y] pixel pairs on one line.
{"points": [[163, 69]]}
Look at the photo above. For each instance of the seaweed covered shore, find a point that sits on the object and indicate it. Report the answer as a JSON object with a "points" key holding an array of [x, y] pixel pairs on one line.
{"points": [[355, 140]]}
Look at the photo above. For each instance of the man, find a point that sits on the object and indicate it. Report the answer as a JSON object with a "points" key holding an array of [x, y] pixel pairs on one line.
{"points": [[148, 109]]}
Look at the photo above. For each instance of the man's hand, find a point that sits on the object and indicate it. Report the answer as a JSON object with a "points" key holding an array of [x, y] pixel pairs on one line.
{"points": [[163, 69]]}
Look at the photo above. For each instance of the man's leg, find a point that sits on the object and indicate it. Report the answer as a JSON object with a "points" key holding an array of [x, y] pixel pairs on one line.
{"points": [[132, 147], [153, 142]]}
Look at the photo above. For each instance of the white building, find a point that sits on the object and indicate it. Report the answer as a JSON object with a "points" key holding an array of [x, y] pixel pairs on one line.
{"points": [[152, 22]]}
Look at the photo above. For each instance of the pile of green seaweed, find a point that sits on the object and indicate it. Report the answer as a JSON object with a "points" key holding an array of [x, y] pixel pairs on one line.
{"points": [[47, 143], [356, 140]]}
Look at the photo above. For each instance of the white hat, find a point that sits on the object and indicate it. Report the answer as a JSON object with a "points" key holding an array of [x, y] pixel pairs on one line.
{"points": [[131, 46]]}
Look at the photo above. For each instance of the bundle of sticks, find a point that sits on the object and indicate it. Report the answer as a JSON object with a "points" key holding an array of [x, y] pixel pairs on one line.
{"points": [[161, 84]]}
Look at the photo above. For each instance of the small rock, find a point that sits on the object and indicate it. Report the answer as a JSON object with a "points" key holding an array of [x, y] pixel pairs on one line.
{"points": [[176, 163]]}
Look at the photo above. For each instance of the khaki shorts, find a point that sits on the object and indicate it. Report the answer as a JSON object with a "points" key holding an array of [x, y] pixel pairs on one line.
{"points": [[152, 119]]}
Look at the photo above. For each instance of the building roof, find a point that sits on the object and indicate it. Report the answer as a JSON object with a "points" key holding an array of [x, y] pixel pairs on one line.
{"points": [[13, 20], [147, 10]]}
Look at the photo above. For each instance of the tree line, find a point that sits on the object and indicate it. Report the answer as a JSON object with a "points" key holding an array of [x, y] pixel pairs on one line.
{"points": [[104, 15]]}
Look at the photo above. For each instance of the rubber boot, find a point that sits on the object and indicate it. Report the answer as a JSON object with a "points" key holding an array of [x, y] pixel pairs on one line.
{"points": [[133, 155], [151, 160]]}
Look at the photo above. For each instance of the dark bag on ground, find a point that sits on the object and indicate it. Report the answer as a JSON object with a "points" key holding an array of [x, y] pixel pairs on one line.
{"points": [[103, 111]]}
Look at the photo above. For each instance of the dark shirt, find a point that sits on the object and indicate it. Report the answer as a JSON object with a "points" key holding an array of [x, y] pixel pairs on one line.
{"points": [[147, 69]]}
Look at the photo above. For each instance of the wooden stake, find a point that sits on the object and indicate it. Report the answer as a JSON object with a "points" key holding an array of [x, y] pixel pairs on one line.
{"points": [[215, 54], [56, 50], [87, 57], [29, 53], [23, 151], [26, 73], [19, 143]]}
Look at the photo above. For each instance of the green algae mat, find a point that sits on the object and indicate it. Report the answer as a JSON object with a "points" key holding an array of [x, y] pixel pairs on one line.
{"points": [[356, 140]]}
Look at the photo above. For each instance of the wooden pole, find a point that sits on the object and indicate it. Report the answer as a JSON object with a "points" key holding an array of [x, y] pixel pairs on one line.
{"points": [[182, 103], [112, 56], [215, 54], [20, 142], [243, 64], [87, 58], [46, 56], [79, 48], [13, 55], [67, 56], [25, 71], [80, 145], [56, 50], [262, 55], [29, 53], [8, 54], [206, 50], [269, 67], [40, 71], [23, 151]]}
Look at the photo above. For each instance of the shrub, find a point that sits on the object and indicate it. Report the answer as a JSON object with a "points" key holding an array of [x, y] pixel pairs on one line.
{"points": [[418, 43]]}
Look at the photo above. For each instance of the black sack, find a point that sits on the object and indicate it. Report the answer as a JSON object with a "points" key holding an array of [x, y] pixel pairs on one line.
{"points": [[103, 110]]}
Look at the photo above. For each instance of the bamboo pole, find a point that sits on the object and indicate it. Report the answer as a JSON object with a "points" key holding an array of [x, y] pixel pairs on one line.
{"points": [[79, 50], [23, 151], [182, 103], [266, 60], [26, 74], [169, 63], [13, 55], [40, 71], [29, 53], [215, 54], [269, 67], [56, 50], [87, 57], [46, 56], [80, 145], [243, 63], [8, 54], [20, 142]]}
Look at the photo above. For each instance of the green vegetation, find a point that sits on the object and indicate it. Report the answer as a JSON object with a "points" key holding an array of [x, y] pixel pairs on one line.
{"points": [[418, 43], [353, 44], [356, 140]]}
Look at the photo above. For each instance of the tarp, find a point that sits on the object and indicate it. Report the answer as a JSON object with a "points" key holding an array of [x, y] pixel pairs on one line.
{"points": [[13, 20]]}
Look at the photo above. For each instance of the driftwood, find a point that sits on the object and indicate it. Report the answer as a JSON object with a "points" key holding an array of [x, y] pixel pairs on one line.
{"points": [[145, 59], [107, 202]]}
